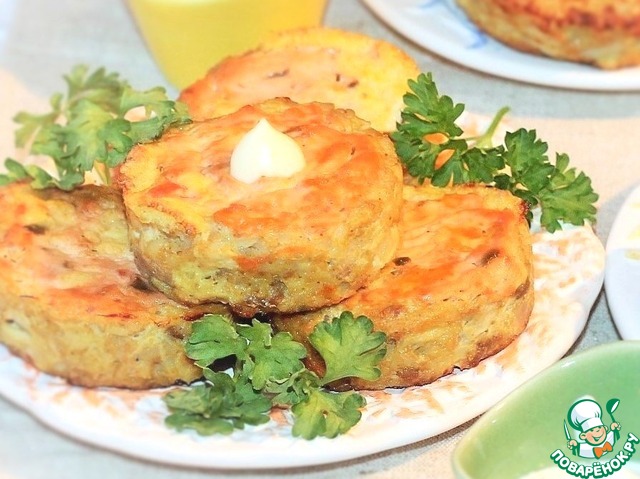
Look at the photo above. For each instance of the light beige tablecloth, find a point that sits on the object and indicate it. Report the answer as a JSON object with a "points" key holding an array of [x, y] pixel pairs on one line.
{"points": [[41, 40]]}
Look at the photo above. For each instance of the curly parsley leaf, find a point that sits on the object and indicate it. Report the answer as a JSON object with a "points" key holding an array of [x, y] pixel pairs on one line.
{"points": [[217, 407], [268, 371], [272, 358], [90, 128], [349, 347], [430, 145], [568, 197], [212, 338], [327, 414], [294, 389]]}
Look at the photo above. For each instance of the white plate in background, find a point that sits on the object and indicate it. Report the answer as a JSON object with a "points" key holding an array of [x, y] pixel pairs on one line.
{"points": [[622, 274]]}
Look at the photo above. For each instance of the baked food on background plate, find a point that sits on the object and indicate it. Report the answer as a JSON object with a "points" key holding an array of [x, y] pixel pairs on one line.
{"points": [[460, 288], [347, 69], [279, 244], [603, 33], [71, 299]]}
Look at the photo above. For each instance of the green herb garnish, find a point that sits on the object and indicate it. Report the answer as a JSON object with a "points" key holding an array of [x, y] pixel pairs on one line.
{"points": [[520, 165], [267, 371], [89, 129]]}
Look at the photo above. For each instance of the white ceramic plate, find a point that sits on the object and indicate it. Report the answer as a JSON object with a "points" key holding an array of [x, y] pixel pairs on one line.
{"points": [[622, 277], [569, 269], [442, 27]]}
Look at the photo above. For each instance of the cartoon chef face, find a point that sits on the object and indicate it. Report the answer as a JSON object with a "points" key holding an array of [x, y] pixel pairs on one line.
{"points": [[595, 436], [586, 416]]}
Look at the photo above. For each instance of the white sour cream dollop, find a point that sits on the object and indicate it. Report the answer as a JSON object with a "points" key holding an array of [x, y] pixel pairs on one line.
{"points": [[264, 151]]}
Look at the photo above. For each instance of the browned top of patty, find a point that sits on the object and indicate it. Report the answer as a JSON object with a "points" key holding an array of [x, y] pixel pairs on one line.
{"points": [[183, 180], [347, 69], [596, 14]]}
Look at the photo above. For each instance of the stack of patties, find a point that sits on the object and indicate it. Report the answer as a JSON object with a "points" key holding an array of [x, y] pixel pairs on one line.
{"points": [[460, 285], [219, 219]]}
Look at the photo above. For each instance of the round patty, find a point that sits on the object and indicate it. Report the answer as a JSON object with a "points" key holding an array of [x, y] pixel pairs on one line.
{"points": [[603, 33], [283, 244], [71, 300], [459, 290], [347, 69]]}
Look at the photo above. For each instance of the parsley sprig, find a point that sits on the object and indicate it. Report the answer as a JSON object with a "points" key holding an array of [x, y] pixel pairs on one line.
{"points": [[89, 128], [267, 371], [430, 144]]}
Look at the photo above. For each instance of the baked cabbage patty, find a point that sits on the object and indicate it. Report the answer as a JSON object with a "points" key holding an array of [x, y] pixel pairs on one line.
{"points": [[603, 33], [460, 288], [280, 244], [71, 300], [347, 69]]}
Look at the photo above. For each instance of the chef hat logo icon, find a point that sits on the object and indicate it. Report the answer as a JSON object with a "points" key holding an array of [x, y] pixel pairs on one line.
{"points": [[592, 437], [593, 434]]}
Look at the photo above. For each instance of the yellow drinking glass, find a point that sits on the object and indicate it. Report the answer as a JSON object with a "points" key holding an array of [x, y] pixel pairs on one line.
{"points": [[187, 37]]}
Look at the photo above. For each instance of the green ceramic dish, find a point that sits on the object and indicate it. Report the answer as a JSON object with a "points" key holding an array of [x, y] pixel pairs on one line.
{"points": [[525, 432]]}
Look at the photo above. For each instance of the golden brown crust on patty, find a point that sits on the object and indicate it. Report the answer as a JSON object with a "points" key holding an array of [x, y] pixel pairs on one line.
{"points": [[71, 300], [346, 69], [279, 244], [459, 290], [603, 33]]}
